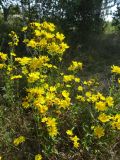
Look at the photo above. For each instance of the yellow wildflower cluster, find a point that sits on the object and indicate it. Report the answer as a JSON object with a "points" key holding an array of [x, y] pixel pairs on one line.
{"points": [[14, 38], [23, 61], [116, 122], [19, 140], [104, 104], [32, 77], [70, 78], [73, 138], [100, 101], [90, 82], [3, 58], [45, 38], [75, 66], [51, 125], [99, 131], [56, 98]]}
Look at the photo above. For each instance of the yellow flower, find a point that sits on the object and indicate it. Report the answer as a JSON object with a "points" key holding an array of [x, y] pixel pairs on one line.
{"points": [[80, 98], [38, 157], [0, 157], [16, 77], [23, 61], [34, 76], [51, 122], [109, 101], [44, 119], [99, 131], [2, 66], [104, 118], [63, 47], [37, 33], [115, 125], [115, 69], [117, 117], [77, 80], [42, 108], [94, 98], [65, 94], [3, 56], [119, 80], [85, 82], [25, 104], [100, 96], [52, 131], [13, 54], [51, 126], [75, 140], [53, 48], [32, 43], [24, 28], [64, 103], [52, 89], [76, 144], [42, 43], [68, 78], [49, 26], [69, 132], [49, 35], [14, 38], [116, 122], [19, 140], [68, 86], [75, 66], [60, 36], [80, 88], [88, 94], [100, 106]]}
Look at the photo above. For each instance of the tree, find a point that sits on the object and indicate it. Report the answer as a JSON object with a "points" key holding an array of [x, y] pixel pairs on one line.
{"points": [[116, 18], [5, 6]]}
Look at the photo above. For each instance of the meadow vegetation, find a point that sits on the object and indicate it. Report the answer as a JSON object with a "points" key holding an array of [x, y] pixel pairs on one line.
{"points": [[52, 111]]}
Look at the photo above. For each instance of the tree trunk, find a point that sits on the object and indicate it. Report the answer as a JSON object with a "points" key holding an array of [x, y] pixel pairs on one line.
{"points": [[5, 14]]}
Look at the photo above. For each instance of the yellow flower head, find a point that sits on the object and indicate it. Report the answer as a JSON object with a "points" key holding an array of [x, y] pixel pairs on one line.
{"points": [[60, 36], [80, 88], [3, 56], [75, 140], [109, 101], [68, 78], [69, 132], [34, 76], [99, 131], [38, 157], [19, 140], [24, 28], [14, 39], [100, 106], [104, 118], [115, 69], [65, 94]]}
